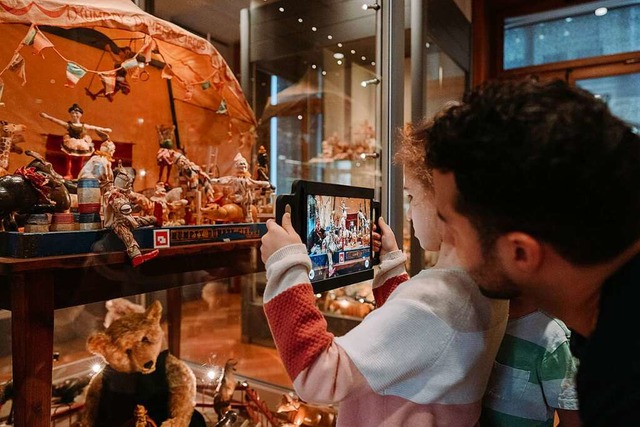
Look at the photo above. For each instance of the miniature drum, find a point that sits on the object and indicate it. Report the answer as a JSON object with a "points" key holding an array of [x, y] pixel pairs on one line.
{"points": [[88, 195], [62, 222], [90, 221], [37, 223]]}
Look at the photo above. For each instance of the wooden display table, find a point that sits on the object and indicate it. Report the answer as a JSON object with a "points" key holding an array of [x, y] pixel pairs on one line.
{"points": [[33, 288]]}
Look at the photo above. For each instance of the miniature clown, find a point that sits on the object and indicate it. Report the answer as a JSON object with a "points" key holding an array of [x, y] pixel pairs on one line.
{"points": [[243, 186], [118, 216], [99, 165]]}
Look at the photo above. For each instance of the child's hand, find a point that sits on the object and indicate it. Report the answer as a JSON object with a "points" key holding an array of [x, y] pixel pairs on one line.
{"points": [[278, 237], [385, 241]]}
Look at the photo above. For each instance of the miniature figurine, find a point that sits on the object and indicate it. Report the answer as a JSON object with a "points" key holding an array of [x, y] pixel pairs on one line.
{"points": [[166, 155], [243, 186], [99, 165], [301, 413], [10, 136], [77, 142], [118, 216], [36, 188], [170, 203], [262, 170], [121, 83]]}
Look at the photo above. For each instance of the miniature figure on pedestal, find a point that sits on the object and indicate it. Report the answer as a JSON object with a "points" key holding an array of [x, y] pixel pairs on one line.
{"points": [[118, 216], [99, 165], [243, 186], [77, 142], [139, 372], [10, 136], [170, 203]]}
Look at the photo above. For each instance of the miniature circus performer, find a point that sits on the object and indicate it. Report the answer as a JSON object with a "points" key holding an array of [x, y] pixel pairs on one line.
{"points": [[99, 165], [170, 203], [166, 155], [242, 186], [196, 177], [77, 142], [10, 136], [118, 216], [262, 170], [121, 83]]}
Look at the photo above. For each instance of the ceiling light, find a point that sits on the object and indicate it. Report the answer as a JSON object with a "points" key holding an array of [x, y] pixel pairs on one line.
{"points": [[281, 9], [314, 29], [329, 36], [353, 52], [300, 20], [338, 55], [314, 66], [364, 58], [324, 73], [339, 44], [601, 11], [339, 62]]}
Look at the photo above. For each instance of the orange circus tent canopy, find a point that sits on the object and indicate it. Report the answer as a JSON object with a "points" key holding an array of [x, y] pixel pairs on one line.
{"points": [[190, 60]]}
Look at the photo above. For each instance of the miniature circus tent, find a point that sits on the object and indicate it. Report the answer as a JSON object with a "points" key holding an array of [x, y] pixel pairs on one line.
{"points": [[208, 103]]}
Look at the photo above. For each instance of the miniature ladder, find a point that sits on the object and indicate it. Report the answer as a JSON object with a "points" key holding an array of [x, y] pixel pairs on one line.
{"points": [[212, 162]]}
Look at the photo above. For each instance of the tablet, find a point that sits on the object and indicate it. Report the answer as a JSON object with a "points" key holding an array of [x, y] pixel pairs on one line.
{"points": [[335, 224]]}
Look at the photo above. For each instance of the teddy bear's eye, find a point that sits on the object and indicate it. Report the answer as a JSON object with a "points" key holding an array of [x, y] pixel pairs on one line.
{"points": [[145, 340]]}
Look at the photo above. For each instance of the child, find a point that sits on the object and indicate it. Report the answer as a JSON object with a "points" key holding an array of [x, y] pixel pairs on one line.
{"points": [[422, 358]]}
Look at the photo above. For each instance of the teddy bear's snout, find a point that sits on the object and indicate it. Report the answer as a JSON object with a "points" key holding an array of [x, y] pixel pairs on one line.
{"points": [[148, 365]]}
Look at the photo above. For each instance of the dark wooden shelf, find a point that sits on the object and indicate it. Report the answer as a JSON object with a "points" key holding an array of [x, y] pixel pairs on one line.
{"points": [[33, 288]]}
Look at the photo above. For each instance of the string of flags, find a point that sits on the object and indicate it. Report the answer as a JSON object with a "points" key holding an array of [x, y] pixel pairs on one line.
{"points": [[75, 72]]}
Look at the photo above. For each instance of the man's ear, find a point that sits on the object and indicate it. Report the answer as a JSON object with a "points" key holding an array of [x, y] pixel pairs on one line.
{"points": [[521, 251]]}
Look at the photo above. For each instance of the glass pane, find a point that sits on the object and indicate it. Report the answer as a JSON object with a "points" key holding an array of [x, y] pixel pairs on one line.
{"points": [[316, 113], [446, 82], [621, 93], [569, 34]]}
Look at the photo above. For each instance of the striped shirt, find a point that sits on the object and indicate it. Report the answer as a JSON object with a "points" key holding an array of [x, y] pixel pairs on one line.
{"points": [[533, 374]]}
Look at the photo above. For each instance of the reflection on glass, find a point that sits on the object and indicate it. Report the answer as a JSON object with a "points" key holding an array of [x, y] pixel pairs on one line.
{"points": [[621, 93], [315, 113]]}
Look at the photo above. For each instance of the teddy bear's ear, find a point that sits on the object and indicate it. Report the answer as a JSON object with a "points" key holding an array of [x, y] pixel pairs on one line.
{"points": [[97, 343], [154, 311]]}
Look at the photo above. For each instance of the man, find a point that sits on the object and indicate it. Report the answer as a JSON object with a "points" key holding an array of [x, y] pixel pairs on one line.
{"points": [[538, 184]]}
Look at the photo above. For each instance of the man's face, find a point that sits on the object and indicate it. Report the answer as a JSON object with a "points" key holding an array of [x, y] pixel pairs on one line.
{"points": [[484, 266]]}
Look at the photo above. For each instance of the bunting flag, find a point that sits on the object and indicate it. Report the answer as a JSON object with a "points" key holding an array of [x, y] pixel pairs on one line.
{"points": [[167, 73], [31, 35], [147, 50], [40, 41], [74, 74], [130, 63], [1, 91], [17, 65], [108, 81], [188, 94], [222, 109]]}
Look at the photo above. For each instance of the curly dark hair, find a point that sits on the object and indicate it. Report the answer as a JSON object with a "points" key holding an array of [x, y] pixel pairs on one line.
{"points": [[546, 159], [412, 151], [75, 107]]}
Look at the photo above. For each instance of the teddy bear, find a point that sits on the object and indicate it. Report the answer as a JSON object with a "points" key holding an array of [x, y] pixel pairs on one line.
{"points": [[137, 372]]}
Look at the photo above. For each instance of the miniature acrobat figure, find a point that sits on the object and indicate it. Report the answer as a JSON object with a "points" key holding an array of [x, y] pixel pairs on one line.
{"points": [[121, 85], [118, 216], [242, 186], [77, 142]]}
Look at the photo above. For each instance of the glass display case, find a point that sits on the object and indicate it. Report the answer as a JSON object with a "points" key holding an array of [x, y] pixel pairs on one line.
{"points": [[315, 83]]}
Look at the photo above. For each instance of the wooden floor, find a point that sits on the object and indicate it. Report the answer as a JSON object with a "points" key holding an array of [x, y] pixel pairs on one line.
{"points": [[210, 336]]}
